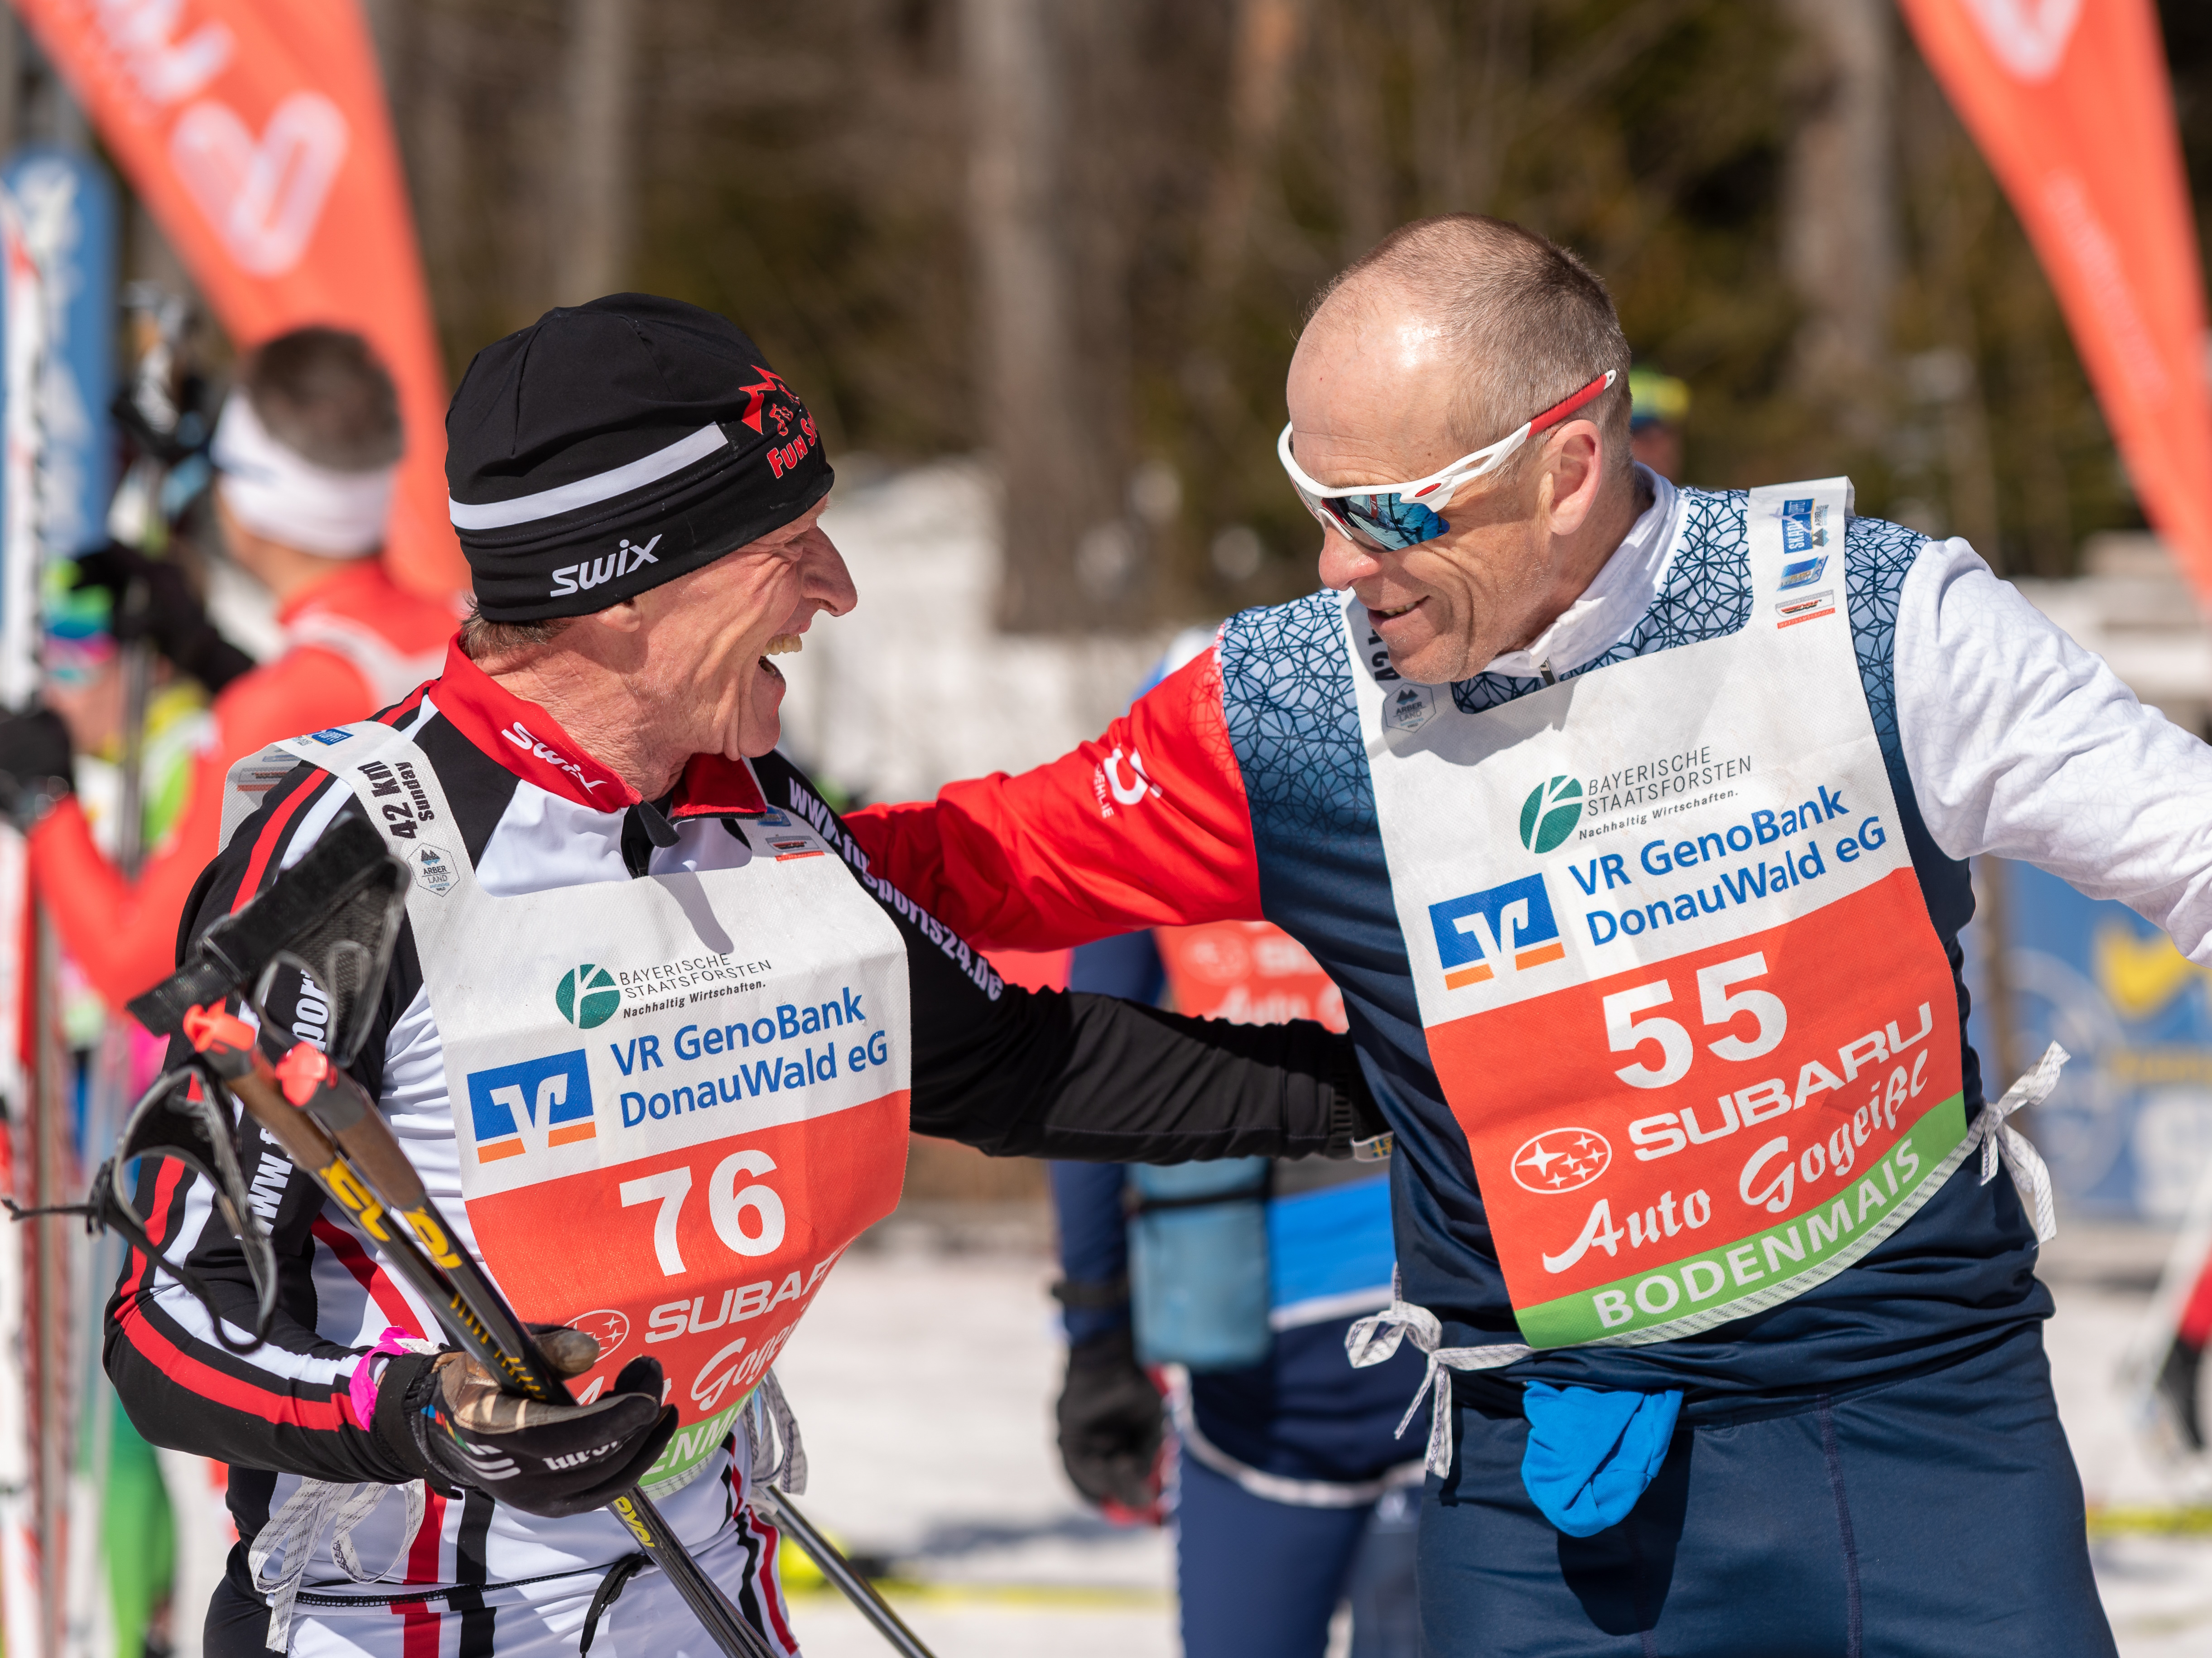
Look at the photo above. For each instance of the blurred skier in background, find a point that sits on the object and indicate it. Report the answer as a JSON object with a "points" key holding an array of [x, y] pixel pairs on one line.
{"points": [[304, 454], [1657, 405], [1237, 1280]]}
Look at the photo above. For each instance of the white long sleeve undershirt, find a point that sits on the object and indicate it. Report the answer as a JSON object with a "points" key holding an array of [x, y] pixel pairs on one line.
{"points": [[2023, 744], [2019, 743]]}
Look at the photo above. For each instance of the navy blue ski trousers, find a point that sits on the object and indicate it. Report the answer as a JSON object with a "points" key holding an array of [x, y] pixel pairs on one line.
{"points": [[1936, 1517], [1260, 1579]]}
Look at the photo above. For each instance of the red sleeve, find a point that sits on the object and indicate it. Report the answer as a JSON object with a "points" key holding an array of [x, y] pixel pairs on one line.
{"points": [[1145, 827], [124, 934]]}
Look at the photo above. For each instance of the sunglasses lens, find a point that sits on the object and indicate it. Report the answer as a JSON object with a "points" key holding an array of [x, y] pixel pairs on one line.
{"points": [[1391, 521], [1388, 521]]}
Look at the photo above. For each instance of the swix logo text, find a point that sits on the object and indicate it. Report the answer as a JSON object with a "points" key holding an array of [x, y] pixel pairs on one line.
{"points": [[518, 734], [630, 556], [1561, 1160], [1503, 930], [530, 1107]]}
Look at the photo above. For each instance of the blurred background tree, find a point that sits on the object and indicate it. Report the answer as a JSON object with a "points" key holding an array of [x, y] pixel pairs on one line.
{"points": [[1080, 235]]}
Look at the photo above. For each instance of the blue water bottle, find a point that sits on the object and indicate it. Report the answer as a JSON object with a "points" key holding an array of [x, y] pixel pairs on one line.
{"points": [[1198, 1263]]}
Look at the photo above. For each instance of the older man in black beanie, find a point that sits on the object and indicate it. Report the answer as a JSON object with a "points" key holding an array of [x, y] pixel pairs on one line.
{"points": [[653, 1028]]}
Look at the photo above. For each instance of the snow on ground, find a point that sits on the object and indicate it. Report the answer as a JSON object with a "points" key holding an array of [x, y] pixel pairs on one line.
{"points": [[915, 688], [925, 1378], [2157, 1586], [924, 1381]]}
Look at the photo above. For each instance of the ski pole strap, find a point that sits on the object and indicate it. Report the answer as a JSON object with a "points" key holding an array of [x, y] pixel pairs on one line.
{"points": [[295, 1529], [1999, 1139], [609, 1592], [361, 1387], [1374, 1339]]}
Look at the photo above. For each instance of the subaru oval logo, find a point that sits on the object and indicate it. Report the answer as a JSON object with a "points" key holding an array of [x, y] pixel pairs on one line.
{"points": [[1561, 1160]]}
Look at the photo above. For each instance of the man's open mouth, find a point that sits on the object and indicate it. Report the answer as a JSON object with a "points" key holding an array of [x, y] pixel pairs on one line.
{"points": [[782, 645], [1386, 616]]}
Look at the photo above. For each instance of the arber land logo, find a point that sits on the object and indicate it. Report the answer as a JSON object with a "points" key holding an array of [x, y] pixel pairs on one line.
{"points": [[587, 996], [1550, 813]]}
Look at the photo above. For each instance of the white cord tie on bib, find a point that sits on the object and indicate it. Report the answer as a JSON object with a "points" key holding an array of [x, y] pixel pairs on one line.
{"points": [[779, 1454], [1374, 1339], [2000, 1140], [295, 1529]]}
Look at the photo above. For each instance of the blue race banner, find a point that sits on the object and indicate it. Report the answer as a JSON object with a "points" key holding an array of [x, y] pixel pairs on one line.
{"points": [[2130, 1124], [65, 203]]}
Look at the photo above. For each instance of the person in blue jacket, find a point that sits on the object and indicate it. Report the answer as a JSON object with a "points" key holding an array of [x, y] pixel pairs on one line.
{"points": [[1293, 1491]]}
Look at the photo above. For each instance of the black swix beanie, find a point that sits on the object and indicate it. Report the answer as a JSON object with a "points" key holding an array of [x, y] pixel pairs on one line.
{"points": [[611, 447]]}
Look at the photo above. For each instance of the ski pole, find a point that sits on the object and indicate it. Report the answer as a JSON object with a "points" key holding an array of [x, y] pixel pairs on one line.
{"points": [[341, 1107], [481, 1324], [842, 1573]]}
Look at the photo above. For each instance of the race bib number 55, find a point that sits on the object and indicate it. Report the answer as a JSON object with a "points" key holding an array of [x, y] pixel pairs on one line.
{"points": [[1719, 1129]]}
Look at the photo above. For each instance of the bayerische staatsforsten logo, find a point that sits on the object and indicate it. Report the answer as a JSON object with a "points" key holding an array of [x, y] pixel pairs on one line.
{"points": [[1550, 813], [587, 996]]}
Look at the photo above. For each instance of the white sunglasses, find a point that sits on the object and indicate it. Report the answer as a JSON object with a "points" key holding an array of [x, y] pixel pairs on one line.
{"points": [[1392, 516]]}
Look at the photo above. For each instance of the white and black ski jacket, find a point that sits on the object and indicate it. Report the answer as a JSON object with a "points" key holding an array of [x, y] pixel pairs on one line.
{"points": [[1009, 1071]]}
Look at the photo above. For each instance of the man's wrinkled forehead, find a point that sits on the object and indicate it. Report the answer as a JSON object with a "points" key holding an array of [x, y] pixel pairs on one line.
{"points": [[1374, 374], [785, 541]]}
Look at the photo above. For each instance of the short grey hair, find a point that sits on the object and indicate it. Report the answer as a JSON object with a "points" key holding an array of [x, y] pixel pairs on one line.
{"points": [[482, 638], [1529, 324]]}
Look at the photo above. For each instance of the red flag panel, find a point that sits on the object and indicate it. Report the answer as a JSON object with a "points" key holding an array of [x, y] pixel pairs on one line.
{"points": [[257, 135], [2071, 103]]}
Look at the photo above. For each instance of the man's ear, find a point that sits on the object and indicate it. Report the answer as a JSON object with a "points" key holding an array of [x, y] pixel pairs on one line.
{"points": [[1574, 461], [622, 617]]}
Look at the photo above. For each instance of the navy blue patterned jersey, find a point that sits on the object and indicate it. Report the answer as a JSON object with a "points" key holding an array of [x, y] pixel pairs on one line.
{"points": [[1239, 787]]}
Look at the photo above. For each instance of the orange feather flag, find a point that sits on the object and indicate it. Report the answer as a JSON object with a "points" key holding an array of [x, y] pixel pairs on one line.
{"points": [[2071, 103], [257, 133]]}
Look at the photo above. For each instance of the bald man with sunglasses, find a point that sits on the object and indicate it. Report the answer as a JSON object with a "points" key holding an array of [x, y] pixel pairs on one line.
{"points": [[1632, 822]]}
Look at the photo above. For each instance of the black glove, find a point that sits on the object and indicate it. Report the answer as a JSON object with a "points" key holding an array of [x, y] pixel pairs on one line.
{"points": [[450, 1424], [173, 618], [34, 765], [1111, 1424]]}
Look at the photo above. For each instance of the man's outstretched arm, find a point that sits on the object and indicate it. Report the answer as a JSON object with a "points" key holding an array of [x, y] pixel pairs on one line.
{"points": [[1146, 826]]}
